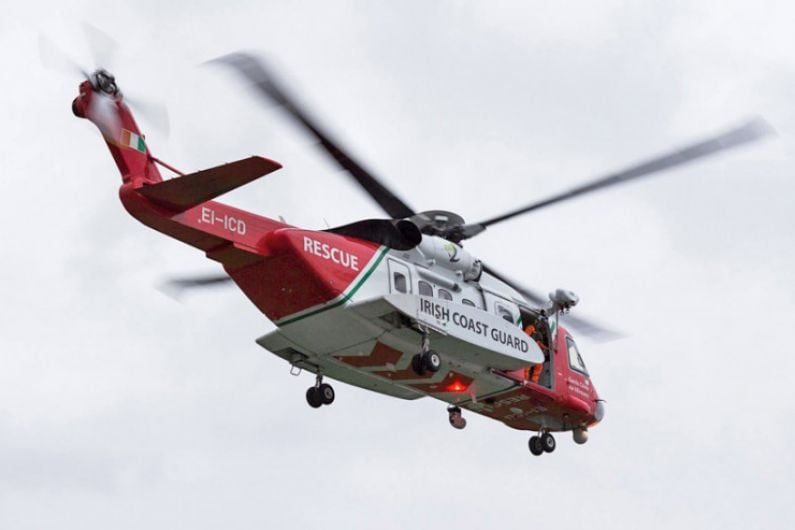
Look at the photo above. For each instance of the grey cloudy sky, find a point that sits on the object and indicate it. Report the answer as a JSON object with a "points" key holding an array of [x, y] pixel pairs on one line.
{"points": [[120, 408]]}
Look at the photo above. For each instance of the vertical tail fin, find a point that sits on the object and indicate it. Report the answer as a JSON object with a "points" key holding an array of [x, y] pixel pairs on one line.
{"points": [[101, 103]]}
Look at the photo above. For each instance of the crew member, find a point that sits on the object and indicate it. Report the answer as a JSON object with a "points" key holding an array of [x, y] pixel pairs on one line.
{"points": [[534, 373]]}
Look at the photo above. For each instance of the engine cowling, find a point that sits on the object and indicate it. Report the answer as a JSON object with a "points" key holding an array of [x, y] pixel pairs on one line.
{"points": [[446, 254]]}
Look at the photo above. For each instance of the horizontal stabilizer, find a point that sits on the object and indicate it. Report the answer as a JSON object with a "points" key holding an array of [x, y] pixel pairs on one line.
{"points": [[187, 191]]}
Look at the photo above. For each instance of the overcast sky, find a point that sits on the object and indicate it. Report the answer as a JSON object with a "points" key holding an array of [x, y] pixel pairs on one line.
{"points": [[121, 408]]}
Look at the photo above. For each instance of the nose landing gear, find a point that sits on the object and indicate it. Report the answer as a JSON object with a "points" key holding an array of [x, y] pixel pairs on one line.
{"points": [[320, 394], [542, 443]]}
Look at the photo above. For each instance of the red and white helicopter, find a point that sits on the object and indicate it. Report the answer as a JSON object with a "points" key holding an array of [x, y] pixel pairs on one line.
{"points": [[396, 305]]}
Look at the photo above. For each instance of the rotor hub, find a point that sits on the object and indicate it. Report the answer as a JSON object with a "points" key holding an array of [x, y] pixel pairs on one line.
{"points": [[437, 222], [103, 81]]}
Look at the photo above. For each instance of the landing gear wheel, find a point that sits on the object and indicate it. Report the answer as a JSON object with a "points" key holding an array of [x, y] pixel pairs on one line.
{"points": [[535, 445], [431, 361], [417, 364], [326, 393], [313, 397], [455, 418], [548, 442]]}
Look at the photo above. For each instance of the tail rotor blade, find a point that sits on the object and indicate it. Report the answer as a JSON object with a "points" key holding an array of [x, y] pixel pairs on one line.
{"points": [[54, 58], [103, 47], [154, 113]]}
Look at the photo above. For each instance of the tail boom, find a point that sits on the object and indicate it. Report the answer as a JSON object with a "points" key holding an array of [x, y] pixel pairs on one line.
{"points": [[182, 207], [226, 234]]}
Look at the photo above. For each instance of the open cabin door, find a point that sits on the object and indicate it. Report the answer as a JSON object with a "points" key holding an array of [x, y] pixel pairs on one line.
{"points": [[539, 330]]}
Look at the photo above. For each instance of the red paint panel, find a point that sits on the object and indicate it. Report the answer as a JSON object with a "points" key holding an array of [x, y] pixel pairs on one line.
{"points": [[281, 285], [406, 374], [335, 260], [381, 355], [574, 387], [189, 227], [578, 405], [305, 269]]}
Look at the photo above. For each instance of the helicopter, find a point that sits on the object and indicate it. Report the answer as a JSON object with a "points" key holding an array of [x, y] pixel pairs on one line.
{"points": [[394, 305]]}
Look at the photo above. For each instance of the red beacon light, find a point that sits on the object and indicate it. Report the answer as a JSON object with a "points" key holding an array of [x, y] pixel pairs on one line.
{"points": [[456, 386]]}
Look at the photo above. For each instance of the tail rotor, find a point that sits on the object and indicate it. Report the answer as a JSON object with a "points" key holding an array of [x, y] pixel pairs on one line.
{"points": [[103, 50]]}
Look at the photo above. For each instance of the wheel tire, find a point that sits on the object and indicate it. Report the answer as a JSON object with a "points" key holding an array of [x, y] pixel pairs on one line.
{"points": [[535, 446], [326, 393], [417, 364], [548, 442], [313, 397], [431, 361]]}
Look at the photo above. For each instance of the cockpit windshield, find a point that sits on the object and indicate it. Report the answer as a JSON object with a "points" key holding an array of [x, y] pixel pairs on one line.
{"points": [[575, 359]]}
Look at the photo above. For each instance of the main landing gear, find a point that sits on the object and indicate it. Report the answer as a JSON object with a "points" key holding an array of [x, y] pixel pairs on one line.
{"points": [[427, 360], [542, 443], [455, 418], [320, 394]]}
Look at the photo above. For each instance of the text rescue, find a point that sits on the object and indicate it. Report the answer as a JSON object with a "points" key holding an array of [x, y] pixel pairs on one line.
{"points": [[333, 254]]}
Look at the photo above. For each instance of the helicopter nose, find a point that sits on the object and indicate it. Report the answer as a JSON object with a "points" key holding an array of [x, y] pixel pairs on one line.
{"points": [[599, 410]]}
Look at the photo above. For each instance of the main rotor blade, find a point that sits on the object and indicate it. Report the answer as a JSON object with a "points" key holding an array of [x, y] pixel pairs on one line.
{"points": [[256, 71], [531, 295], [748, 132], [591, 330], [582, 326]]}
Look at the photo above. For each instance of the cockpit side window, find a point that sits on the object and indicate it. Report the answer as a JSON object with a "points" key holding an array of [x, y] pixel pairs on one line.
{"points": [[575, 359]]}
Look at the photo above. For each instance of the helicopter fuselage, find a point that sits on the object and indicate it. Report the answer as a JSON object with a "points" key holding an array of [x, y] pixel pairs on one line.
{"points": [[357, 311]]}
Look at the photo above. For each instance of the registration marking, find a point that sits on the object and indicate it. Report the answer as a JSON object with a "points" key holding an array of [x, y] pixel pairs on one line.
{"points": [[227, 222]]}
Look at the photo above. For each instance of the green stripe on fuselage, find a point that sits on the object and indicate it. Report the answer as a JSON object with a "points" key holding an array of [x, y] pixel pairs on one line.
{"points": [[345, 298]]}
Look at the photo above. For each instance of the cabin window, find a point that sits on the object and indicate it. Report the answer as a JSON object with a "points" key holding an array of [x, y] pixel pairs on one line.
{"points": [[399, 277], [426, 289], [468, 302], [504, 313], [400, 282], [444, 294], [575, 359]]}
